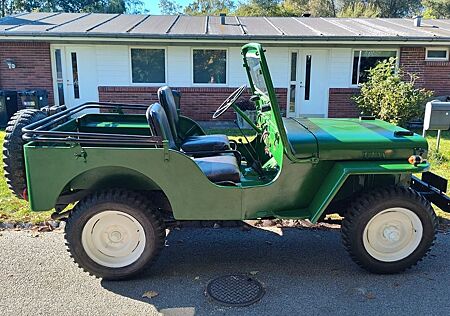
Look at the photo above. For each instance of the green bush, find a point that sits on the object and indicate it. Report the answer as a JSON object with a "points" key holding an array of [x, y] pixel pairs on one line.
{"points": [[391, 95]]}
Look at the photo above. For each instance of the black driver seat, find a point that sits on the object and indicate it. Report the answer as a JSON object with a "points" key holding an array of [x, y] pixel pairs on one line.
{"points": [[191, 143], [220, 168]]}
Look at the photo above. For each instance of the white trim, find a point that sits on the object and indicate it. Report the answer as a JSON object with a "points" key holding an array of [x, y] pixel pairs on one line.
{"points": [[227, 73], [290, 83], [62, 48], [147, 84], [352, 85], [427, 49], [55, 76], [299, 42]]}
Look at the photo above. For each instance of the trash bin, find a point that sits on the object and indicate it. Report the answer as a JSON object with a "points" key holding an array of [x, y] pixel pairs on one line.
{"points": [[8, 106], [33, 99]]}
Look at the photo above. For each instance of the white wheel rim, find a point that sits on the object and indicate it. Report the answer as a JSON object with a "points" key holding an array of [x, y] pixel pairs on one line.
{"points": [[393, 234], [113, 239]]}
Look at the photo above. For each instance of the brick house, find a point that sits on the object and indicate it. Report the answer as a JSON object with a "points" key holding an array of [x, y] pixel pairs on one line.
{"points": [[316, 63]]}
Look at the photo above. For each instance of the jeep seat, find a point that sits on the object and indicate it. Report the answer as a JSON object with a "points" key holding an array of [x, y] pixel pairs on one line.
{"points": [[191, 143], [220, 168]]}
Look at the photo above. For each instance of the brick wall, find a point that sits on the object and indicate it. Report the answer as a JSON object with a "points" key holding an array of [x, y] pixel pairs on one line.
{"points": [[33, 66], [340, 103], [196, 102], [433, 75]]}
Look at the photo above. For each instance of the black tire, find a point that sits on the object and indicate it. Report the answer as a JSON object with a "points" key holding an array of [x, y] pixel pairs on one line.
{"points": [[13, 157], [365, 208], [134, 205]]}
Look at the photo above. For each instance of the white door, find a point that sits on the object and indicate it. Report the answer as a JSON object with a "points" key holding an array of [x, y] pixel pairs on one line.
{"points": [[308, 88], [75, 75]]}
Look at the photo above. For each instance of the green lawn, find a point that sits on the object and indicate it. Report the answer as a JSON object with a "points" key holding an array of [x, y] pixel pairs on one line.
{"points": [[13, 209], [440, 162]]}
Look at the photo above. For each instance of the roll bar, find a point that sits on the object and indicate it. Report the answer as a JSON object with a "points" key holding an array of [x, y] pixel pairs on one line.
{"points": [[41, 131]]}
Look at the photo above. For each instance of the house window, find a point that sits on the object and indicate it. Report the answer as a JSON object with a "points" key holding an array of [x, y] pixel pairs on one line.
{"points": [[148, 65], [363, 60], [210, 66], [436, 54]]}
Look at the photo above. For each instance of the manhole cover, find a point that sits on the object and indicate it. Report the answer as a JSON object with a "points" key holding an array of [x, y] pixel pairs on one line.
{"points": [[235, 290]]}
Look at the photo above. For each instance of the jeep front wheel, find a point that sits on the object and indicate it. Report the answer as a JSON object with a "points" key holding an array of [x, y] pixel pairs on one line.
{"points": [[114, 234], [389, 230]]}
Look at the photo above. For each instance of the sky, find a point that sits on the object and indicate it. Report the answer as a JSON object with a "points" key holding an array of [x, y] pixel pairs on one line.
{"points": [[152, 5]]}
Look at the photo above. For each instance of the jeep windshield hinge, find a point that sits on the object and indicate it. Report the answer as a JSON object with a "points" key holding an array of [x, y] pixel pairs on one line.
{"points": [[81, 154], [166, 150]]}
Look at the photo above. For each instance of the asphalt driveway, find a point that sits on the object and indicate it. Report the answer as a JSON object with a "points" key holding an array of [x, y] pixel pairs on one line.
{"points": [[303, 271]]}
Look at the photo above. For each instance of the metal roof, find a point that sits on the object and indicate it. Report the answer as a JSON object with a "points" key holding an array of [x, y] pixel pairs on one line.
{"points": [[124, 26]]}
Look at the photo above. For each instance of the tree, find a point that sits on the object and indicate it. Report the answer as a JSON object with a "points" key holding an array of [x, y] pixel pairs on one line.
{"points": [[436, 9], [390, 8], [390, 96], [324, 8], [260, 8], [359, 10], [100, 6], [209, 7], [170, 7]]}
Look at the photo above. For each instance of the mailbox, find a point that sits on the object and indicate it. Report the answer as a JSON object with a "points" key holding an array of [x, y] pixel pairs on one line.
{"points": [[437, 116]]}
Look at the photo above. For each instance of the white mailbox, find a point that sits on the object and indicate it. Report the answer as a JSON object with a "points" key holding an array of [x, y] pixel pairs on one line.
{"points": [[437, 116]]}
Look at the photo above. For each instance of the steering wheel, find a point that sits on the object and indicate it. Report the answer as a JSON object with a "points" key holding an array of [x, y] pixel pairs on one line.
{"points": [[229, 101]]}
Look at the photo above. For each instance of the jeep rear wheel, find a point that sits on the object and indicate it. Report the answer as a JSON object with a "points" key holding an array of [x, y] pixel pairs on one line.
{"points": [[389, 230], [114, 234]]}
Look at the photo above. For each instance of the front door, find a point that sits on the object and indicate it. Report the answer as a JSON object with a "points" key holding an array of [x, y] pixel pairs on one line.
{"points": [[308, 83], [74, 75]]}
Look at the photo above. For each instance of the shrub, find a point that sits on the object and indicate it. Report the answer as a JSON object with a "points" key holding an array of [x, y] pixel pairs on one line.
{"points": [[391, 95]]}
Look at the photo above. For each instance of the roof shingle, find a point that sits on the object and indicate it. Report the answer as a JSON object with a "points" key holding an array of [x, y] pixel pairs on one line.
{"points": [[154, 26]]}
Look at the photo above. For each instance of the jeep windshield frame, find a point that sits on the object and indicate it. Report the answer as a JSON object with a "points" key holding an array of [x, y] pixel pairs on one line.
{"points": [[269, 119]]}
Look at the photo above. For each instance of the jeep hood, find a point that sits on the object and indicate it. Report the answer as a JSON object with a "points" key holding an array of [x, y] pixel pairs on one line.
{"points": [[350, 139]]}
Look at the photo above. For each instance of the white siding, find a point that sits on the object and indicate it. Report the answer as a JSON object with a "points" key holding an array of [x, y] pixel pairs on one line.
{"points": [[113, 65], [179, 72], [236, 73], [340, 66], [278, 62]]}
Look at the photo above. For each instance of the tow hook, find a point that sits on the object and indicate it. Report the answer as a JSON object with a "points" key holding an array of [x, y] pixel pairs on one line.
{"points": [[60, 216]]}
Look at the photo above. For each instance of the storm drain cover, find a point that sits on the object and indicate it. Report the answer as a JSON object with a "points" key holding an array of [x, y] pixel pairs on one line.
{"points": [[235, 290]]}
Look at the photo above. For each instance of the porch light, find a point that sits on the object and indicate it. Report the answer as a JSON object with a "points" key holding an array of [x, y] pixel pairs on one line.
{"points": [[10, 63]]}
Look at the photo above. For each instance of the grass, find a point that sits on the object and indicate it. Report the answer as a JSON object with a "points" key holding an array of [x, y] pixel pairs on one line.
{"points": [[440, 161], [14, 210]]}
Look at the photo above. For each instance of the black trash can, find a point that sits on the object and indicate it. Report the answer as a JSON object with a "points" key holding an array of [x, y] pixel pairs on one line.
{"points": [[33, 99], [8, 106]]}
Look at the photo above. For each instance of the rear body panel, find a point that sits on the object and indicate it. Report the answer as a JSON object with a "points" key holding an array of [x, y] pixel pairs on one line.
{"points": [[296, 192]]}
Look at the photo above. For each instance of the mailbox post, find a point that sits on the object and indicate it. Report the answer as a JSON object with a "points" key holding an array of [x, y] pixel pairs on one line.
{"points": [[437, 118]]}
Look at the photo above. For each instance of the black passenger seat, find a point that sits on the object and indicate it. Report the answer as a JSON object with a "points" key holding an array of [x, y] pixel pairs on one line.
{"points": [[191, 143], [219, 168]]}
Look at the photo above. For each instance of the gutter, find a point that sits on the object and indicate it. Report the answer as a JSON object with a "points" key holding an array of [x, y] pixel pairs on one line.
{"points": [[176, 39], [61, 36]]}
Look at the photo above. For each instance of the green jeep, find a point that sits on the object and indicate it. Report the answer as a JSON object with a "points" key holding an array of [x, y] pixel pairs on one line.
{"points": [[133, 175]]}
